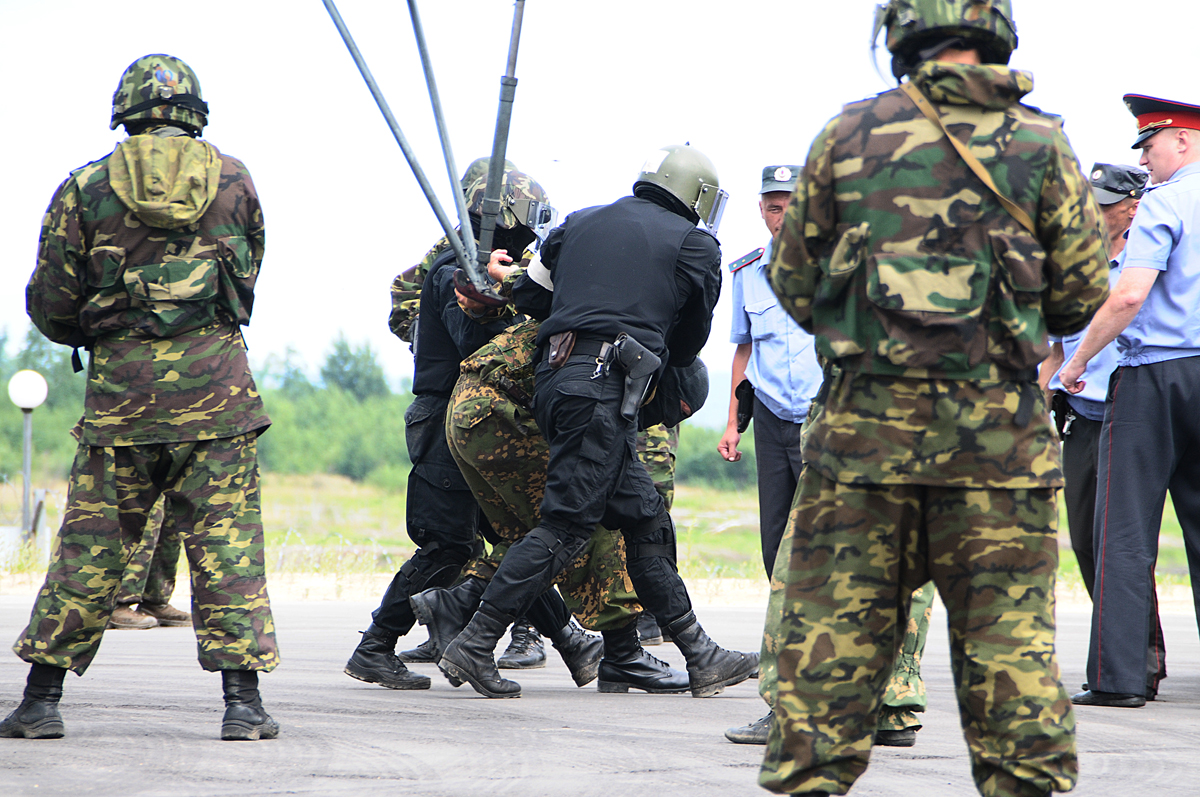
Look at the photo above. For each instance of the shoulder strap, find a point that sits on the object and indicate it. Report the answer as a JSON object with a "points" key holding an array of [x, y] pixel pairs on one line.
{"points": [[972, 162]]}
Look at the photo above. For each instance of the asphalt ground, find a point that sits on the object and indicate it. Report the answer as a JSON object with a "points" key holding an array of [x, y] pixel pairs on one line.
{"points": [[145, 721]]}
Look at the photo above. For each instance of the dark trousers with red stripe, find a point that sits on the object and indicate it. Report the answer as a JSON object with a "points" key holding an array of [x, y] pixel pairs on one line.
{"points": [[1150, 444], [1081, 456]]}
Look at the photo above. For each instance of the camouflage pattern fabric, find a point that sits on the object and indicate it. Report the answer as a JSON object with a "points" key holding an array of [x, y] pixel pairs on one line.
{"points": [[150, 575], [212, 494], [992, 555], [656, 449], [898, 259], [904, 695], [158, 308]]}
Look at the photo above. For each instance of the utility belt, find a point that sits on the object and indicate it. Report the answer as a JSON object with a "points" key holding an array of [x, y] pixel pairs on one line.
{"points": [[639, 364]]}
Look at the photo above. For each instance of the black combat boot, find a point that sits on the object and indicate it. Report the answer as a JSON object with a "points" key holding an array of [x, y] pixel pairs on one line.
{"points": [[374, 661], [648, 630], [580, 651], [526, 650], [711, 668], [423, 653], [445, 612], [627, 664], [244, 720], [469, 657], [37, 717]]}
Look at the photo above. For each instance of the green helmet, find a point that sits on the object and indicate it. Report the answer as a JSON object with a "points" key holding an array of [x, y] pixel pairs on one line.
{"points": [[916, 25], [688, 175], [159, 87], [523, 201]]}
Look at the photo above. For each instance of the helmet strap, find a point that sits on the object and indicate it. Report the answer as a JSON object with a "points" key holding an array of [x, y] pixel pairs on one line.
{"points": [[188, 102]]}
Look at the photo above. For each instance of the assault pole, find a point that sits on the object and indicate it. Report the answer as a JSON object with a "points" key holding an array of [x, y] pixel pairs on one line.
{"points": [[469, 264], [456, 188], [491, 196]]}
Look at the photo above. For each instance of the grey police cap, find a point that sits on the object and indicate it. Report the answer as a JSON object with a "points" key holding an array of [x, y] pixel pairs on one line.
{"points": [[1111, 183], [779, 178]]}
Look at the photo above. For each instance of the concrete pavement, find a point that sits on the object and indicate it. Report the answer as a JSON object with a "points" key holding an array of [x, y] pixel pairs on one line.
{"points": [[145, 721]]}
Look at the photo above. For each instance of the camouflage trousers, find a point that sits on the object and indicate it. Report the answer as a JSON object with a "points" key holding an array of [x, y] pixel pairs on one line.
{"points": [[503, 455], [150, 575], [904, 696], [212, 499], [656, 449], [858, 553]]}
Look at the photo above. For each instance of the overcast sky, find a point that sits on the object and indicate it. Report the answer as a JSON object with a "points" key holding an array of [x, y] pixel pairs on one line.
{"points": [[600, 86]]}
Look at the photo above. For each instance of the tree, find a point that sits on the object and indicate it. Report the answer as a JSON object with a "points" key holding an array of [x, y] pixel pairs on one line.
{"points": [[286, 374], [355, 371]]}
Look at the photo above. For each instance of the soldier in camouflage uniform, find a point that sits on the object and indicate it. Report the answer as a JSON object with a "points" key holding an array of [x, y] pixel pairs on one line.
{"points": [[503, 456], [406, 288], [148, 258], [933, 456], [149, 579]]}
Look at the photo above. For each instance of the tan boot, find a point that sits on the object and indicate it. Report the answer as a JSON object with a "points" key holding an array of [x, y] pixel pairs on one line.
{"points": [[167, 615], [128, 617]]}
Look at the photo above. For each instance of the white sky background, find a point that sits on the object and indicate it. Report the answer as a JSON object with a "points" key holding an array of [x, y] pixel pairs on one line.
{"points": [[600, 86]]}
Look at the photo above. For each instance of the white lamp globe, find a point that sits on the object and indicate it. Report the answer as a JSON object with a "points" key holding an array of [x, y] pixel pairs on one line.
{"points": [[27, 389]]}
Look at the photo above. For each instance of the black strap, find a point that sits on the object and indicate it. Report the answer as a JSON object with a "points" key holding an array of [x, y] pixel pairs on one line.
{"points": [[188, 101]]}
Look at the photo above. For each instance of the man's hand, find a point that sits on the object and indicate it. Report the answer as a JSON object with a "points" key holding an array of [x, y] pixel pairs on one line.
{"points": [[496, 269], [1070, 373], [728, 447]]}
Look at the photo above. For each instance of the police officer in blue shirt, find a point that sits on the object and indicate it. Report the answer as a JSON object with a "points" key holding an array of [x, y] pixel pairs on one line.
{"points": [[1151, 435], [779, 361], [1118, 190]]}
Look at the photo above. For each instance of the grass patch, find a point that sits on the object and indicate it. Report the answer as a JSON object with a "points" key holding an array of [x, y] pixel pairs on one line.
{"points": [[330, 524]]}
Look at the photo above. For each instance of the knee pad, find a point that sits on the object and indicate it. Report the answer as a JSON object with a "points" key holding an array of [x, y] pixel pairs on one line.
{"points": [[653, 538], [435, 565], [563, 547]]}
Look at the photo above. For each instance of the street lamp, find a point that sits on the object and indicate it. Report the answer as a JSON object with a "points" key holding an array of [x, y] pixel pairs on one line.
{"points": [[27, 389]]}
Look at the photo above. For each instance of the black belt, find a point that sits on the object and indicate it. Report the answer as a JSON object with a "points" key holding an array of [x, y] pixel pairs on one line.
{"points": [[584, 347]]}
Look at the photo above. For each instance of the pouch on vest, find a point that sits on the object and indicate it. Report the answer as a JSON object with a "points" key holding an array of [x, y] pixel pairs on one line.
{"points": [[930, 307], [179, 291]]}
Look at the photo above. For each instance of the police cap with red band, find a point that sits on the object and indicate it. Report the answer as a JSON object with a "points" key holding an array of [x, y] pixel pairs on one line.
{"points": [[1154, 114]]}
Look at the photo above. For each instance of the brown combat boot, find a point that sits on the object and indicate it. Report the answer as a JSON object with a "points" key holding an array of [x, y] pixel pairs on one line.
{"points": [[129, 617], [167, 615]]}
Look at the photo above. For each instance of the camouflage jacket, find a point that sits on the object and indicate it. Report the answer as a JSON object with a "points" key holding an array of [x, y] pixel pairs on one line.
{"points": [[148, 257], [406, 293], [906, 267]]}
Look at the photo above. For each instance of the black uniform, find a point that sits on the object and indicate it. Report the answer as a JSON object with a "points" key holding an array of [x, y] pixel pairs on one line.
{"points": [[631, 267], [442, 515]]}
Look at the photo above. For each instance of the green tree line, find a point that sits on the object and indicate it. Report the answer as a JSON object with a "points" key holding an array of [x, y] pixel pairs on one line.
{"points": [[345, 421]]}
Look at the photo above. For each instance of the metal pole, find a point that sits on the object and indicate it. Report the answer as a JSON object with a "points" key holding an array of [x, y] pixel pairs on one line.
{"points": [[455, 243], [27, 473], [460, 203], [508, 91]]}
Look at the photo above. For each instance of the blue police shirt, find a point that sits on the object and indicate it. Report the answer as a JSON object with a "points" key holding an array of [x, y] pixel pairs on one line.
{"points": [[1164, 237], [1090, 402], [783, 359]]}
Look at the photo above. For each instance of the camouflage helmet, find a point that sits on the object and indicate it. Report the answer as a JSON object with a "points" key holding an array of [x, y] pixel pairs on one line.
{"points": [[914, 25], [479, 168], [688, 175], [522, 201], [159, 87]]}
